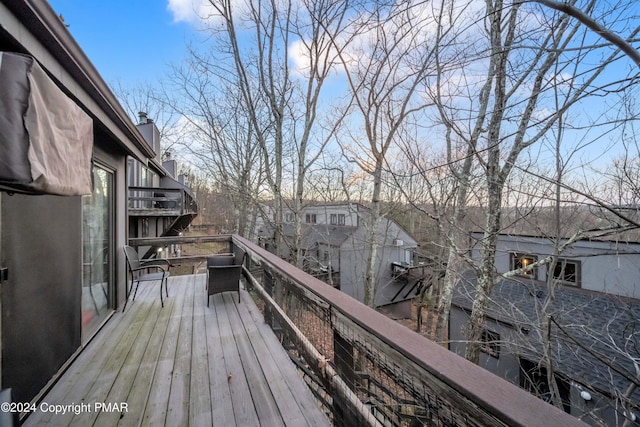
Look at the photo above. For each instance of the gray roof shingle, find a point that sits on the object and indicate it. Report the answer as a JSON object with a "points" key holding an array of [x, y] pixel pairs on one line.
{"points": [[595, 341]]}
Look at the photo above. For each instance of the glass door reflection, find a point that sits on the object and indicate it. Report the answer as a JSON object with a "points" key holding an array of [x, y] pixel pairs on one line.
{"points": [[97, 279]]}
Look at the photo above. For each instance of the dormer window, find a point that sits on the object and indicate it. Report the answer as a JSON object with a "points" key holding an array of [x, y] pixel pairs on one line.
{"points": [[337, 219], [567, 272], [522, 261]]}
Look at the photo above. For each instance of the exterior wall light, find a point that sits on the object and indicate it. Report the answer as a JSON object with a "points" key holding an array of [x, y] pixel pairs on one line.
{"points": [[584, 394]]}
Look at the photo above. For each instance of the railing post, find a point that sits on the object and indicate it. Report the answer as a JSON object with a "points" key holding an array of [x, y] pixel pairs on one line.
{"points": [[344, 362], [268, 287], [343, 359]]}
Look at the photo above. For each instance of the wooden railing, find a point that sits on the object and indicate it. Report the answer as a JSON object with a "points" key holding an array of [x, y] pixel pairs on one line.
{"points": [[367, 369], [160, 201]]}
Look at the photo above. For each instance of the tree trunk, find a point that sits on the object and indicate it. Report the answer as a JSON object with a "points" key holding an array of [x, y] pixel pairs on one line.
{"points": [[455, 261], [371, 274]]}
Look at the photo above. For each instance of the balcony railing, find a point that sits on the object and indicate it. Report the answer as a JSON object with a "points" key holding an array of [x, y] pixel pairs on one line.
{"points": [[364, 368], [153, 201]]}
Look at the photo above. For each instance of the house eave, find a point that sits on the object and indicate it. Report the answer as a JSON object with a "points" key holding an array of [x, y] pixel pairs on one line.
{"points": [[39, 31]]}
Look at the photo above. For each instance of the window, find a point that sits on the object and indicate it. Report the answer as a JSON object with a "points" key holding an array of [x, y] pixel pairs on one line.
{"points": [[288, 217], [145, 181], [310, 218], [534, 379], [97, 256], [131, 180], [337, 219], [519, 261], [408, 256], [490, 343], [567, 272]]}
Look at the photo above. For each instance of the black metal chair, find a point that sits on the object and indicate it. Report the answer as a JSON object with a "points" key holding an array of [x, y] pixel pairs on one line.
{"points": [[223, 273], [137, 267]]}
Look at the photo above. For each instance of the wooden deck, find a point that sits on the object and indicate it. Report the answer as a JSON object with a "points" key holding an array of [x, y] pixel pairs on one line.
{"points": [[184, 364]]}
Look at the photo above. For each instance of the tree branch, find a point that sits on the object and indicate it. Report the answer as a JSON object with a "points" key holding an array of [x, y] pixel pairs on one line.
{"points": [[606, 34]]}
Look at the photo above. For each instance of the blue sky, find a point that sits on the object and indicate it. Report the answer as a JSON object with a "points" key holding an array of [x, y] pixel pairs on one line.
{"points": [[132, 41]]}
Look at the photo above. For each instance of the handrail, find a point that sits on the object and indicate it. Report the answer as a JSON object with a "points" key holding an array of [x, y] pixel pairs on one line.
{"points": [[161, 198], [328, 372], [422, 380], [172, 240], [499, 399]]}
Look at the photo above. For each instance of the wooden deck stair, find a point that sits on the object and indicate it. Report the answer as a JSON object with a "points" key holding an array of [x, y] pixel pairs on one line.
{"points": [[184, 364]]}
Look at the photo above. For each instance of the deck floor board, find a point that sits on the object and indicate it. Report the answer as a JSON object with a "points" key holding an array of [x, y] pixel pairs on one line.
{"points": [[184, 364], [263, 401], [293, 410], [222, 406], [139, 393], [156, 408], [200, 397], [244, 412], [178, 406]]}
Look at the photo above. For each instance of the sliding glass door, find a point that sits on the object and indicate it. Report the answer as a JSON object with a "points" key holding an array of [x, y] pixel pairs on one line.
{"points": [[97, 233]]}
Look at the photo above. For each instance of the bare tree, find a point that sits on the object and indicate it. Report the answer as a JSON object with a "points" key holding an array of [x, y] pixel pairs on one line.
{"points": [[150, 100], [219, 141], [281, 103], [622, 176], [384, 76], [518, 89], [570, 9]]}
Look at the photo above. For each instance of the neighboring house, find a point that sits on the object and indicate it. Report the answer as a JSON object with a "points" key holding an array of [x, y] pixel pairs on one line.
{"points": [[64, 145], [595, 329], [335, 244], [160, 203]]}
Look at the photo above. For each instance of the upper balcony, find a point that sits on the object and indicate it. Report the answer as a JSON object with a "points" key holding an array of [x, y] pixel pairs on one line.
{"points": [[232, 363], [155, 201]]}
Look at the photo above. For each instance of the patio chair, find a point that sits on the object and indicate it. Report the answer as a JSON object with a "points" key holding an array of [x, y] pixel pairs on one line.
{"points": [[223, 273], [137, 267]]}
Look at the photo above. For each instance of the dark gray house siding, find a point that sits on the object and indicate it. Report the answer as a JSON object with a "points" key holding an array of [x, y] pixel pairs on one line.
{"points": [[45, 246]]}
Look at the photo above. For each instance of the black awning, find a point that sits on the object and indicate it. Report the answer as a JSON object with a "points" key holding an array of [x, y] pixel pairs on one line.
{"points": [[46, 139]]}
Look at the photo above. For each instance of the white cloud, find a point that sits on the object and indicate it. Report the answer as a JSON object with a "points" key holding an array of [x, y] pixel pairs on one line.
{"points": [[201, 12], [193, 12], [299, 57], [182, 10]]}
